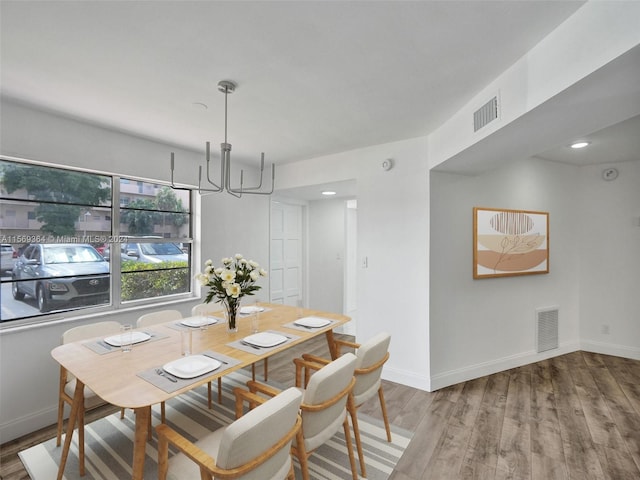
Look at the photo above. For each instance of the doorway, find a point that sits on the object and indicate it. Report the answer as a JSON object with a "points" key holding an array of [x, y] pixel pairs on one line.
{"points": [[314, 249]]}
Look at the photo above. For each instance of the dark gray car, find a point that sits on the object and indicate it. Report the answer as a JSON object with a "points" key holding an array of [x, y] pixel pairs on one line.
{"points": [[61, 274]]}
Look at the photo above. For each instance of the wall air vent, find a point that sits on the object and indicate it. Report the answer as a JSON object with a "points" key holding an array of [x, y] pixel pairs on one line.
{"points": [[546, 329], [485, 114]]}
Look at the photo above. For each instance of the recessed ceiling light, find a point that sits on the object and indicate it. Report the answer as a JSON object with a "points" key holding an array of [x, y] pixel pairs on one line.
{"points": [[328, 192], [579, 144]]}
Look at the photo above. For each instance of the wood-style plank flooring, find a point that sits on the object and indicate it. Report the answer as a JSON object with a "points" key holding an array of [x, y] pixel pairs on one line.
{"points": [[576, 416]]}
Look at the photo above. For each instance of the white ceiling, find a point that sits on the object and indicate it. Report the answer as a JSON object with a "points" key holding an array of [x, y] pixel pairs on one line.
{"points": [[314, 77]]}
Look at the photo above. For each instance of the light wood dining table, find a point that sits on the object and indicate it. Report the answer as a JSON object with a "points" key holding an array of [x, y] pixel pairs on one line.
{"points": [[114, 376]]}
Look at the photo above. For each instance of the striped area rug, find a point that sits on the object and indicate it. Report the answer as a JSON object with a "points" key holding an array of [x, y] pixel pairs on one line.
{"points": [[108, 442]]}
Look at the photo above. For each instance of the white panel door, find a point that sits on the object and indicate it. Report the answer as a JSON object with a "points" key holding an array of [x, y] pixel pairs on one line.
{"points": [[286, 254]]}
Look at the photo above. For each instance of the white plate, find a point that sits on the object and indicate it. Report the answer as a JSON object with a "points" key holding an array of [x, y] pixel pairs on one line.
{"points": [[199, 321], [265, 339], [251, 309], [136, 337], [192, 366], [313, 322]]}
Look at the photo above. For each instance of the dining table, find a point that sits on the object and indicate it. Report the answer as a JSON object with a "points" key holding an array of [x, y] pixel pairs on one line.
{"points": [[126, 378]]}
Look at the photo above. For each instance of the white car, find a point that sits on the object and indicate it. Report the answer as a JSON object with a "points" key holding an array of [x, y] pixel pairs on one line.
{"points": [[155, 252], [8, 257]]}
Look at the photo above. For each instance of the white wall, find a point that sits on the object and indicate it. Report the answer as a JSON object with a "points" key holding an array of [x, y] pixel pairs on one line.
{"points": [[610, 267], [326, 254], [392, 232], [487, 325]]}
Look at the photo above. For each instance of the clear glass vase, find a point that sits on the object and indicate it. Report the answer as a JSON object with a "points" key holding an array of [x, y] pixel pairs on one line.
{"points": [[231, 315]]}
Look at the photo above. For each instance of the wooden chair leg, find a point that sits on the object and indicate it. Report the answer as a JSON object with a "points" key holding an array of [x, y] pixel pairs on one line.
{"points": [[121, 413], [220, 390], [356, 433], [352, 460], [253, 372], [163, 415], [209, 395], [266, 368], [302, 455], [384, 414]]}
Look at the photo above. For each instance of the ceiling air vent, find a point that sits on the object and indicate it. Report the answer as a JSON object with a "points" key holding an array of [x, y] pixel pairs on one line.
{"points": [[485, 114]]}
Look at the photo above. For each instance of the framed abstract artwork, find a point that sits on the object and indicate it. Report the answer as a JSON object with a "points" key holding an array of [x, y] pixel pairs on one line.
{"points": [[509, 242]]}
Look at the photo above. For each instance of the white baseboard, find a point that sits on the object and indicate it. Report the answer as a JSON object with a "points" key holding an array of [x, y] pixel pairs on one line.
{"points": [[464, 374], [610, 349], [18, 427], [404, 377]]}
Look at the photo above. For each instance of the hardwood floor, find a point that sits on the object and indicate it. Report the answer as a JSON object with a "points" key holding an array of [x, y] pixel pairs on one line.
{"points": [[576, 416]]}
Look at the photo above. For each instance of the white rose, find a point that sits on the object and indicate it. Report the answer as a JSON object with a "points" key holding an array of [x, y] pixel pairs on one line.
{"points": [[238, 256], [254, 275], [233, 290], [208, 263], [263, 272], [226, 261], [254, 264], [218, 270], [228, 275]]}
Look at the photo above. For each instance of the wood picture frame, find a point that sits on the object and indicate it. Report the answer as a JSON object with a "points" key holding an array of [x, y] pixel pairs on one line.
{"points": [[509, 242]]}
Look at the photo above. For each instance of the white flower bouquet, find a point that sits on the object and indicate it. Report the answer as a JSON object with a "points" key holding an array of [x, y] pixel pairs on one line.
{"points": [[236, 278]]}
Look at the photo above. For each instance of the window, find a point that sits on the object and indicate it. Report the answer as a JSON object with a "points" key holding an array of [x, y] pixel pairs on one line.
{"points": [[68, 247], [155, 265]]}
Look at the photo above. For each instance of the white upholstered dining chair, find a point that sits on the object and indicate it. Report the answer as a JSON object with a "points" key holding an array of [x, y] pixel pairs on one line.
{"points": [[161, 316], [372, 355], [207, 309], [256, 446], [323, 408], [67, 383]]}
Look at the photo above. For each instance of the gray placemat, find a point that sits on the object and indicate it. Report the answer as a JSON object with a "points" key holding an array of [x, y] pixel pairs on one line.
{"points": [[101, 347], [164, 383], [261, 350], [307, 329]]}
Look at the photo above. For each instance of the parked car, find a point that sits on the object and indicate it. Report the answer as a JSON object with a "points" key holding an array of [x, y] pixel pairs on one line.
{"points": [[8, 256], [153, 252], [60, 274]]}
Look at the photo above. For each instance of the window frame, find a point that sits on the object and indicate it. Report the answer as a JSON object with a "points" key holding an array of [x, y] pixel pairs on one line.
{"points": [[115, 268]]}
